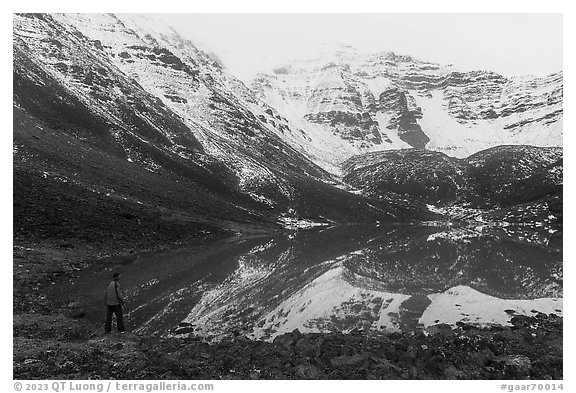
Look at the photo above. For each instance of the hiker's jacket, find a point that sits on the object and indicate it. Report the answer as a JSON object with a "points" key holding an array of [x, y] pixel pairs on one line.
{"points": [[113, 294]]}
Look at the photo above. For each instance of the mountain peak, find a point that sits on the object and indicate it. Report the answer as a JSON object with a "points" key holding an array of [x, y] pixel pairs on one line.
{"points": [[353, 102]]}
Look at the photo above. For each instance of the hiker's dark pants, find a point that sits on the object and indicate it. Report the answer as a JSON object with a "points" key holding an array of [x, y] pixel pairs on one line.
{"points": [[117, 309]]}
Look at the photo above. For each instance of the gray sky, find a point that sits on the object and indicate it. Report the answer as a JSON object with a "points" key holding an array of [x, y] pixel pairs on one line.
{"points": [[511, 44]]}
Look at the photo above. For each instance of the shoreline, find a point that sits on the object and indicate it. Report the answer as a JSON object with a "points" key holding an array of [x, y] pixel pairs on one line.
{"points": [[55, 341]]}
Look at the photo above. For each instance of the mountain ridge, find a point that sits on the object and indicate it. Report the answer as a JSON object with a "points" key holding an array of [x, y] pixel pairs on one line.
{"points": [[485, 179], [363, 102], [140, 92], [91, 90]]}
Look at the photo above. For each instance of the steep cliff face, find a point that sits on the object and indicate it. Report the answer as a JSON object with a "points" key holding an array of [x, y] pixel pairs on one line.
{"points": [[124, 110], [369, 102]]}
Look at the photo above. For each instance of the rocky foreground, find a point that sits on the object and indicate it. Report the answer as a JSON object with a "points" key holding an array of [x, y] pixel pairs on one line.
{"points": [[55, 343], [54, 347]]}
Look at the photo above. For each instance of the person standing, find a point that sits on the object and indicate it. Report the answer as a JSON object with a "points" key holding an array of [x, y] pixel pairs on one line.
{"points": [[114, 303]]}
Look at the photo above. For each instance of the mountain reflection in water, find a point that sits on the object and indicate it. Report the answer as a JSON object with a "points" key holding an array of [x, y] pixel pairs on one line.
{"points": [[338, 279]]}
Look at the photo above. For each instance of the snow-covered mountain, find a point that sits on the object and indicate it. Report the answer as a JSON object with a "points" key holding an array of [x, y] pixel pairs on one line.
{"points": [[123, 108], [344, 102], [129, 96]]}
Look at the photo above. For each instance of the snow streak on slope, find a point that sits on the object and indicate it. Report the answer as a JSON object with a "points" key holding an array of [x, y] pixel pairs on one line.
{"points": [[175, 72]]}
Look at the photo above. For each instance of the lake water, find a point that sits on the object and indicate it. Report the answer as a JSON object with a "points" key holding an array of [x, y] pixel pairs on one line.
{"points": [[399, 277]]}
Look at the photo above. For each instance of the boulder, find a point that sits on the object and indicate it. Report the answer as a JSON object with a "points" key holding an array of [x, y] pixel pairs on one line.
{"points": [[343, 361], [307, 371]]}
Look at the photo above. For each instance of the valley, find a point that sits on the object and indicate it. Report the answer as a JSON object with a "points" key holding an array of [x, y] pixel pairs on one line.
{"points": [[369, 197]]}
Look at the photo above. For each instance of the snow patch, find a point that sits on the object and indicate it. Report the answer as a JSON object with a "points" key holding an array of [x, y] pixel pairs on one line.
{"points": [[377, 85], [462, 303], [294, 223]]}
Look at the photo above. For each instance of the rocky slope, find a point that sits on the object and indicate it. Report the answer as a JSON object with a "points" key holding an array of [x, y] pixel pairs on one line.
{"points": [[344, 102], [509, 175], [119, 114], [496, 177], [434, 177]]}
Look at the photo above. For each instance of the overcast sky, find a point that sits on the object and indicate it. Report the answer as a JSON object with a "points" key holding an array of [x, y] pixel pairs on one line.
{"points": [[511, 44]]}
